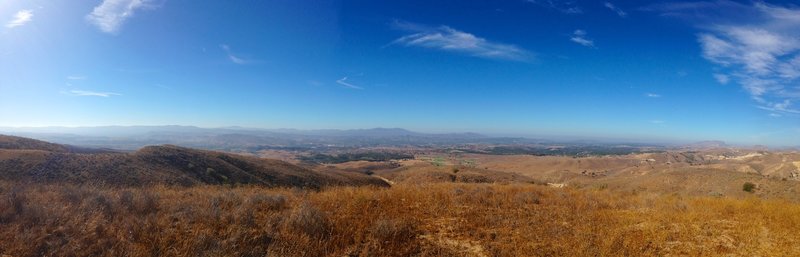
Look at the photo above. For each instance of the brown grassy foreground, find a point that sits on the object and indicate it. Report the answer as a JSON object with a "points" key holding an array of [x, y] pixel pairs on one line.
{"points": [[445, 219]]}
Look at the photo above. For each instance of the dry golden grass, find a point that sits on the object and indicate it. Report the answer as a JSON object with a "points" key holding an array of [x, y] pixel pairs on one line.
{"points": [[445, 219]]}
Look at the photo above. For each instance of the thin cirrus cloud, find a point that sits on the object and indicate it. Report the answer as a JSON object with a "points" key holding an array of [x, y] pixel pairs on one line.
{"points": [[343, 82], [722, 78], [754, 45], [579, 37], [90, 93], [20, 18], [652, 95], [110, 15], [564, 6], [234, 58], [76, 77], [615, 9], [448, 39]]}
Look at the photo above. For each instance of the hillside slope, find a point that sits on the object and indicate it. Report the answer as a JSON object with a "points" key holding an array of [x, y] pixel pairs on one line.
{"points": [[711, 172], [21, 143], [27, 160]]}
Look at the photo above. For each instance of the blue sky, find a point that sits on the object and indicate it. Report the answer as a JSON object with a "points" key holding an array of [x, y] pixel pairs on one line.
{"points": [[660, 70]]}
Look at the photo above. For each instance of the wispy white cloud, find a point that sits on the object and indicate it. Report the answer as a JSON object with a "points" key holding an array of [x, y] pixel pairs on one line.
{"points": [[579, 36], [76, 77], [564, 6], [162, 86], [343, 82], [448, 39], [89, 93], [652, 95], [616, 9], [779, 107], [722, 78], [236, 60], [138, 70], [110, 15], [755, 45], [20, 18], [233, 58], [657, 121]]}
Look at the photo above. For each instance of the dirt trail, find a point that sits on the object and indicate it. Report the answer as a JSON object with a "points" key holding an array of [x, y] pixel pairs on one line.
{"points": [[391, 183]]}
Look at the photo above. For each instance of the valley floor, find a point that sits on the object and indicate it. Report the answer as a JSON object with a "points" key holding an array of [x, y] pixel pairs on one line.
{"points": [[437, 219]]}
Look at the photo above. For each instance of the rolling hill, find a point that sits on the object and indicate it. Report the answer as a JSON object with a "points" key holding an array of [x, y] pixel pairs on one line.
{"points": [[28, 160], [21, 143]]}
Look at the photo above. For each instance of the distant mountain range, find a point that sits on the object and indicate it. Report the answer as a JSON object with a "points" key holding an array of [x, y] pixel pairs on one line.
{"points": [[238, 138], [111, 131], [254, 139]]}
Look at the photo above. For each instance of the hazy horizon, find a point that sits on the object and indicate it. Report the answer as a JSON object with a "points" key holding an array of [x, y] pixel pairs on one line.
{"points": [[651, 71], [555, 137]]}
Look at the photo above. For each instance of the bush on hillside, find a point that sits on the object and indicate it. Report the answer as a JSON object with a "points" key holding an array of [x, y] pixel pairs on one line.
{"points": [[749, 187]]}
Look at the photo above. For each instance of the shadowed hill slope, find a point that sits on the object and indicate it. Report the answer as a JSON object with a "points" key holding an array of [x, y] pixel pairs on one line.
{"points": [[21, 143], [27, 160]]}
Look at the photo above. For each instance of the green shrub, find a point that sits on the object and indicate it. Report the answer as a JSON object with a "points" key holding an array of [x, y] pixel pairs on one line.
{"points": [[749, 187]]}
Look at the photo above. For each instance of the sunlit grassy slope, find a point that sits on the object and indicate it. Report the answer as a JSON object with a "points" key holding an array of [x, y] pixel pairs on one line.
{"points": [[440, 219]]}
